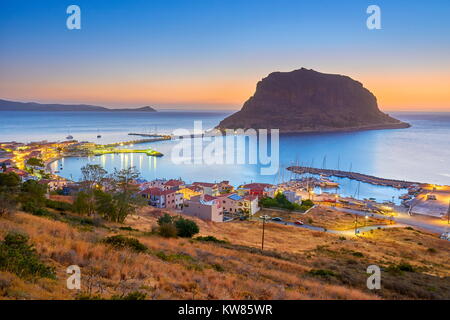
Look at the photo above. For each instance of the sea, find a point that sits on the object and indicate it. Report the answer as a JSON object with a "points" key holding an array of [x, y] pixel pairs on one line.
{"points": [[420, 153]]}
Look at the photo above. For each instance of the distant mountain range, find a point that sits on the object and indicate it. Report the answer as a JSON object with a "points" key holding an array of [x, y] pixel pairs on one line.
{"points": [[6, 105]]}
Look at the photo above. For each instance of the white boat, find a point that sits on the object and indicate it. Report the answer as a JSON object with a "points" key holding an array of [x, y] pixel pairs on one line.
{"points": [[69, 136]]}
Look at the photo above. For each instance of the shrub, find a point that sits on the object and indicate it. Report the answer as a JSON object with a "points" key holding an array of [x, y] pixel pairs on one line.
{"points": [[210, 239], [431, 250], [186, 228], [80, 220], [399, 268], [358, 254], [128, 228], [280, 201], [170, 227], [174, 257], [404, 266], [307, 203], [135, 295], [121, 242], [88, 296], [30, 207], [58, 205], [321, 273], [167, 230], [21, 258], [218, 267], [165, 219]]}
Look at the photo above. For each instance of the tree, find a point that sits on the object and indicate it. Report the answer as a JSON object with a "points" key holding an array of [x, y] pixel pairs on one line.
{"points": [[82, 205], [126, 193], [105, 205], [93, 176], [32, 195], [186, 228], [114, 203], [7, 203], [35, 162], [9, 181]]}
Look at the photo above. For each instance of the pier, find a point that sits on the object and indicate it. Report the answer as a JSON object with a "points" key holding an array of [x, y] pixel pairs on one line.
{"points": [[155, 135], [127, 143], [159, 137], [399, 184]]}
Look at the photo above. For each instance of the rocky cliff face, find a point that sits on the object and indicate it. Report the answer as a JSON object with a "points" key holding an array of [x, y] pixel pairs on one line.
{"points": [[309, 101]]}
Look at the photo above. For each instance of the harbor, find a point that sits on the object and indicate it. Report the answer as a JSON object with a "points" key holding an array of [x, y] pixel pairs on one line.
{"points": [[399, 184]]}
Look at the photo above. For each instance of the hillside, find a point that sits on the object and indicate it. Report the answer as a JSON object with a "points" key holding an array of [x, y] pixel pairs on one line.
{"points": [[6, 105], [296, 263], [309, 101]]}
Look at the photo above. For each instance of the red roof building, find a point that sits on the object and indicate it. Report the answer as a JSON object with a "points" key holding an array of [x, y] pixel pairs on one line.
{"points": [[257, 189], [163, 198]]}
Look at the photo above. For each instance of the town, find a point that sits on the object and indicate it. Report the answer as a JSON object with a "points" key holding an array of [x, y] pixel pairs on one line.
{"points": [[424, 205]]}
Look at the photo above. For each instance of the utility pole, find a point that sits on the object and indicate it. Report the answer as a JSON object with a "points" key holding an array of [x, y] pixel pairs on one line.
{"points": [[356, 225], [448, 213], [262, 242]]}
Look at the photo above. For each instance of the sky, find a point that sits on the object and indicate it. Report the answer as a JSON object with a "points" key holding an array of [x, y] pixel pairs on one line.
{"points": [[198, 54]]}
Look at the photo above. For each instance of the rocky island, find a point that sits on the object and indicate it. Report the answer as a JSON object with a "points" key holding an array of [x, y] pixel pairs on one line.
{"points": [[309, 101]]}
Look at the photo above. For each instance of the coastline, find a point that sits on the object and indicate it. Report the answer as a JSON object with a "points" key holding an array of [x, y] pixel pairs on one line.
{"points": [[401, 125]]}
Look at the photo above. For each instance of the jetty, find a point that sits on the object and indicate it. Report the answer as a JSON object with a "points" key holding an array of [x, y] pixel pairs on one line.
{"points": [[159, 137], [133, 142], [155, 135], [399, 184]]}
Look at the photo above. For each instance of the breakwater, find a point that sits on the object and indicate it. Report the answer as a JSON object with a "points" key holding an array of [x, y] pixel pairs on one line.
{"points": [[400, 184]]}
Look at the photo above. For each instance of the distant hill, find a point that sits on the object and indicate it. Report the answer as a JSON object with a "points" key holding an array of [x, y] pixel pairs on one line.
{"points": [[309, 101], [6, 105]]}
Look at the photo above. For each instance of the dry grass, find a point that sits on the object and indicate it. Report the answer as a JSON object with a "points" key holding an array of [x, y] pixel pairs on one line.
{"points": [[67, 199], [237, 270]]}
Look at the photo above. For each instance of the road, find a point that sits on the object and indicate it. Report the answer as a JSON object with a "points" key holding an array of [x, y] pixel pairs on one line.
{"points": [[431, 224], [347, 233]]}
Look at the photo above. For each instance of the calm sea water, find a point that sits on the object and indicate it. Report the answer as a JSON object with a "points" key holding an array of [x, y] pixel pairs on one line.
{"points": [[420, 153]]}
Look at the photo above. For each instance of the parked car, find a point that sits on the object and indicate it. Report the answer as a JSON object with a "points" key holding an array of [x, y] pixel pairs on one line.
{"points": [[445, 236], [299, 222], [243, 218], [265, 217], [277, 219]]}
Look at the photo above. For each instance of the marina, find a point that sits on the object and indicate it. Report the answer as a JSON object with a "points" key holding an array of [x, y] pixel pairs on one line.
{"points": [[399, 184]]}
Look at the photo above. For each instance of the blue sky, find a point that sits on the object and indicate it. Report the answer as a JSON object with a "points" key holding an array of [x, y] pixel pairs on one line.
{"points": [[211, 53]]}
